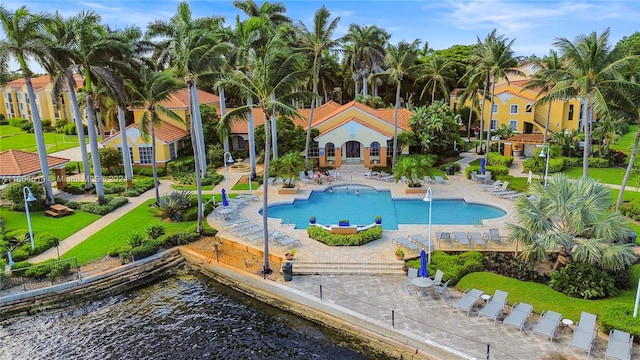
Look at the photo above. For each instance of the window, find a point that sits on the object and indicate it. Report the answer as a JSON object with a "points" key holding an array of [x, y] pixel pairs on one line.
{"points": [[455, 107], [314, 150], [513, 109], [494, 108], [513, 124], [146, 154], [581, 111], [172, 151], [330, 150], [374, 149], [494, 124], [130, 152], [570, 112], [528, 108]]}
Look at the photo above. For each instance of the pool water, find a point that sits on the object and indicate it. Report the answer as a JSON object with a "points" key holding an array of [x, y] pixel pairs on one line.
{"points": [[362, 204]]}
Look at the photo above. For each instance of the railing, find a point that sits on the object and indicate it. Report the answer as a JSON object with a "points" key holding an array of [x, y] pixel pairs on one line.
{"points": [[39, 276]]}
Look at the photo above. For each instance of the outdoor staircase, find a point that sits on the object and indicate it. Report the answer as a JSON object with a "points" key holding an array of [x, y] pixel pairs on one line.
{"points": [[352, 172], [347, 268]]}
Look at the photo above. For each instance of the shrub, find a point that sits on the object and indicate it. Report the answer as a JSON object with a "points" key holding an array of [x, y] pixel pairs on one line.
{"points": [[172, 206], [616, 158], [109, 157], [631, 209], [496, 159], [113, 188], [27, 126], [43, 241], [598, 162], [572, 161], [495, 171], [582, 281], [142, 185], [60, 124], [17, 122], [75, 188], [212, 179], [514, 267], [539, 165], [619, 316], [149, 171], [455, 165], [131, 193], [191, 214], [453, 266], [48, 269], [181, 165], [176, 239], [71, 168], [112, 204], [14, 193], [362, 237], [154, 231], [135, 239], [70, 129], [144, 250]]}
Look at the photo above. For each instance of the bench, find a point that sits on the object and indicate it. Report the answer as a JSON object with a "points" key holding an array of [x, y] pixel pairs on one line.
{"points": [[58, 210]]}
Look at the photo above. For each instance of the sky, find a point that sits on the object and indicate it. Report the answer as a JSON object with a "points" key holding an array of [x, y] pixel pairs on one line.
{"points": [[533, 24]]}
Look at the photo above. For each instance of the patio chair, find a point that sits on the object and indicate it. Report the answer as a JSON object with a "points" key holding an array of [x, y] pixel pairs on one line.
{"points": [[443, 290], [477, 238], [443, 236], [440, 180], [584, 333], [474, 176], [402, 241], [495, 308], [428, 180], [495, 184], [421, 241], [502, 187], [407, 286], [461, 237], [487, 177], [620, 345], [468, 301], [519, 316], [234, 222], [494, 235], [437, 280], [303, 177], [548, 324]]}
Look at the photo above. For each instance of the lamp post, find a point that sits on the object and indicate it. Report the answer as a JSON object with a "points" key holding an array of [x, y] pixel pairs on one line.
{"points": [[226, 172], [250, 191], [427, 197], [28, 197], [546, 168]]}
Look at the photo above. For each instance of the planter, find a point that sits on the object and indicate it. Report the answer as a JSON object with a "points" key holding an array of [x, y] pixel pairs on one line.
{"points": [[312, 220], [517, 153], [293, 190], [414, 190], [378, 221], [288, 256], [399, 257], [343, 223]]}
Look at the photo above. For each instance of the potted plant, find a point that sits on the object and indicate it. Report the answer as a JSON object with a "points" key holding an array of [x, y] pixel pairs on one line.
{"points": [[290, 254], [343, 222], [378, 219], [312, 219], [286, 167], [399, 253]]}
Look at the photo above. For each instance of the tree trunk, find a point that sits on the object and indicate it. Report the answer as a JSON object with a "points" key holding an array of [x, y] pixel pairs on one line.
{"points": [[80, 130], [546, 125], [395, 126], [307, 145], [95, 154], [39, 134], [627, 173], [99, 122], [486, 154], [223, 111], [154, 165], [126, 157], [195, 115], [196, 154], [484, 103], [274, 131], [252, 143], [265, 202], [587, 140]]}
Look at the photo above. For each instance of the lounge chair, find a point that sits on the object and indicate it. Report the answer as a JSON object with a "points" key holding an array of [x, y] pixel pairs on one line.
{"points": [[402, 241], [548, 324], [505, 193], [303, 177], [443, 290], [421, 240], [287, 241], [440, 180], [620, 345], [468, 301], [496, 184], [502, 187], [494, 235], [514, 196], [403, 179], [477, 238], [584, 333], [519, 316], [443, 236], [461, 237], [233, 223], [252, 230], [495, 308], [428, 180]]}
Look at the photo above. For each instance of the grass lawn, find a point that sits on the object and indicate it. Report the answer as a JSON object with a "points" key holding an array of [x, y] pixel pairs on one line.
{"points": [[116, 234], [245, 186], [15, 138], [61, 228], [181, 187], [605, 175], [542, 297], [626, 142]]}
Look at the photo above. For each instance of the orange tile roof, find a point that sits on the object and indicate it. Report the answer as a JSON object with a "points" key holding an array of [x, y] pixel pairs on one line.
{"points": [[240, 126], [165, 132], [180, 99], [527, 138], [38, 83], [20, 163]]}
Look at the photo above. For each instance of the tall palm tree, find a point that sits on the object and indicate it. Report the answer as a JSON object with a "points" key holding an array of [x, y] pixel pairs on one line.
{"points": [[471, 93], [273, 12], [149, 91], [400, 60], [315, 43], [25, 40], [437, 73], [573, 218], [364, 48], [272, 79], [589, 71]]}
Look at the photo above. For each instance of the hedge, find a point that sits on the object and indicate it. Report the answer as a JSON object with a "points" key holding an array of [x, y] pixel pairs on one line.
{"points": [[619, 316], [497, 159], [453, 266], [112, 204], [361, 238], [496, 171], [555, 165]]}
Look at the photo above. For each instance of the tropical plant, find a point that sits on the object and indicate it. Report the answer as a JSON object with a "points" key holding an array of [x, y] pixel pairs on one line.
{"points": [[14, 192], [364, 48], [413, 168], [568, 141], [437, 73], [287, 167], [172, 206], [543, 81], [436, 126], [572, 218]]}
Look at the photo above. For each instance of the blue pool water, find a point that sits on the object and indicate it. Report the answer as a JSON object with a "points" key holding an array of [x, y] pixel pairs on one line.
{"points": [[361, 209]]}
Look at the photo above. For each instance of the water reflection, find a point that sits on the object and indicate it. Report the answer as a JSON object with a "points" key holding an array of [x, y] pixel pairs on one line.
{"points": [[188, 316]]}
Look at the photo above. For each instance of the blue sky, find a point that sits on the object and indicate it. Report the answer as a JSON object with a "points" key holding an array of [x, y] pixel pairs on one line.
{"points": [[442, 23]]}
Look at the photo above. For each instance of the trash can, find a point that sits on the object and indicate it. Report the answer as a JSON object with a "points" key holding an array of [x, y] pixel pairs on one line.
{"points": [[450, 170], [631, 237], [287, 271]]}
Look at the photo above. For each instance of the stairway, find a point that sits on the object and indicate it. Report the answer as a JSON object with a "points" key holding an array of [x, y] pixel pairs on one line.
{"points": [[347, 268], [352, 172]]}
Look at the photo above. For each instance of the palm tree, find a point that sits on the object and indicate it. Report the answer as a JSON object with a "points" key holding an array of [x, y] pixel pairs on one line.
{"points": [[364, 48], [471, 93], [589, 71], [437, 73], [25, 40], [274, 13], [272, 79], [573, 218], [400, 60], [149, 91], [315, 43], [607, 130]]}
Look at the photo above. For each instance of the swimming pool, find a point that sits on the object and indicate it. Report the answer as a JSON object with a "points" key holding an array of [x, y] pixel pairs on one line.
{"points": [[361, 204]]}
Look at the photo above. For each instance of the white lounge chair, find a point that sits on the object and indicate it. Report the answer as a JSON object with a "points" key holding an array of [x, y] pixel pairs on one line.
{"points": [[468, 301], [440, 180], [584, 333], [494, 235], [493, 185], [402, 241], [443, 236], [620, 345], [477, 238], [303, 177], [502, 187], [421, 241], [519, 316], [548, 324], [428, 180], [495, 308]]}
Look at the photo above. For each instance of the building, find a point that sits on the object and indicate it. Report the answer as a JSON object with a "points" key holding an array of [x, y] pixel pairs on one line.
{"points": [[514, 107]]}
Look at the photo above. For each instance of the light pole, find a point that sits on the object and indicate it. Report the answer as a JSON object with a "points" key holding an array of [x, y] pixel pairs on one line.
{"points": [[546, 168], [28, 197], [427, 197], [226, 172], [250, 192]]}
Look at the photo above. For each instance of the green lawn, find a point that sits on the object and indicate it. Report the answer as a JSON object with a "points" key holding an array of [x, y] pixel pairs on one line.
{"points": [[116, 234], [605, 175], [626, 142], [542, 297], [181, 187], [14, 138], [61, 228], [245, 186]]}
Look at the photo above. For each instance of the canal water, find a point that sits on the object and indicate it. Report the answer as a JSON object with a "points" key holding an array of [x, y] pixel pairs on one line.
{"points": [[183, 317]]}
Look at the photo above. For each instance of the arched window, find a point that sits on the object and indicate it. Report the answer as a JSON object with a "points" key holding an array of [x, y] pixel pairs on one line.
{"points": [[374, 149], [330, 150]]}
